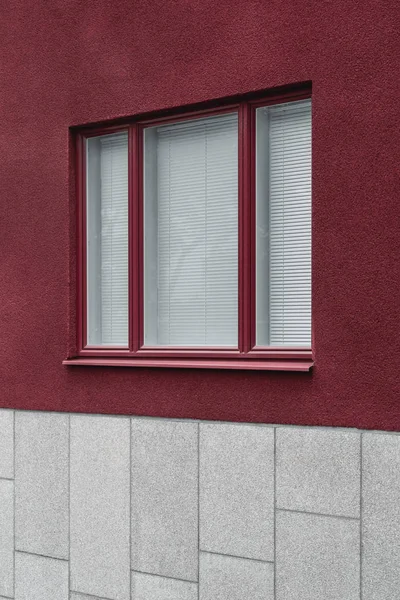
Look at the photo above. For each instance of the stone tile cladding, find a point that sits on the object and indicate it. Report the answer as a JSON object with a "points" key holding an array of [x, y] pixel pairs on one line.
{"points": [[118, 508]]}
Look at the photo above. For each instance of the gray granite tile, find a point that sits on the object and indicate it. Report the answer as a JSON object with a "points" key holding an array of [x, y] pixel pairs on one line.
{"points": [[41, 480], [318, 470], [153, 587], [39, 578], [6, 443], [7, 538], [381, 517], [317, 557], [165, 498], [237, 490], [231, 578], [100, 498]]}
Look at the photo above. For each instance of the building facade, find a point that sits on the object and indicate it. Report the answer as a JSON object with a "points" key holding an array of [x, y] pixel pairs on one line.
{"points": [[128, 474]]}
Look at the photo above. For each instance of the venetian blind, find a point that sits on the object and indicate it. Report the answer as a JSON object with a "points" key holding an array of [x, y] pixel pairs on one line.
{"points": [[191, 233], [108, 240], [284, 225]]}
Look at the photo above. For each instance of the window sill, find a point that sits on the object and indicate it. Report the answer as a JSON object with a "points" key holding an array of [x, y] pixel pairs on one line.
{"points": [[190, 363]]}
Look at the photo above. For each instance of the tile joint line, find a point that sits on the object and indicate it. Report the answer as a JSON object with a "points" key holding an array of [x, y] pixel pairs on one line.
{"points": [[40, 555], [164, 576], [268, 562], [315, 514], [85, 594]]}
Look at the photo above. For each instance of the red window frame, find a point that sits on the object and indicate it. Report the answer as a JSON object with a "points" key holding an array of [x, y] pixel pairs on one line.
{"points": [[247, 355]]}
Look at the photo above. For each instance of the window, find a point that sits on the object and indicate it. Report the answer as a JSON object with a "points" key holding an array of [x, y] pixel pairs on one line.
{"points": [[195, 239]]}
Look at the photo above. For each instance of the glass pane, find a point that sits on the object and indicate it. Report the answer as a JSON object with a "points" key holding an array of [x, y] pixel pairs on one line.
{"points": [[107, 240], [283, 238], [191, 233]]}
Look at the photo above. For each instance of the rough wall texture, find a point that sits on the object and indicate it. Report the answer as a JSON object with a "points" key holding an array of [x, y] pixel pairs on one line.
{"points": [[122, 508], [70, 62]]}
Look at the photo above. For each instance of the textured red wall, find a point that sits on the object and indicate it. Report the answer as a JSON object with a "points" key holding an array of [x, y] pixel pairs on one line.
{"points": [[71, 62]]}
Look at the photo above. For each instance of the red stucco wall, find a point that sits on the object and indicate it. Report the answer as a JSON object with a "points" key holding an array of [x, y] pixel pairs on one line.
{"points": [[75, 62]]}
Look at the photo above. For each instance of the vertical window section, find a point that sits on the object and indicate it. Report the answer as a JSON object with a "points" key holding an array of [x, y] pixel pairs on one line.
{"points": [[107, 240], [283, 242], [191, 233]]}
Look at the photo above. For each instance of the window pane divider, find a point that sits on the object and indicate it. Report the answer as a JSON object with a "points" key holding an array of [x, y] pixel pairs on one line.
{"points": [[246, 222], [135, 237]]}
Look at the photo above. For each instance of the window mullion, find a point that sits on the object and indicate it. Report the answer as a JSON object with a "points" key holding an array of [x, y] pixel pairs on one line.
{"points": [[135, 239], [246, 227]]}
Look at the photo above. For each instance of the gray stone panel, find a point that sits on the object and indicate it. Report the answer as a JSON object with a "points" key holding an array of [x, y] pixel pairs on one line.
{"points": [[231, 578], [40, 578], [153, 587], [317, 558], [41, 480], [6, 443], [237, 490], [100, 497], [381, 517], [318, 470], [7, 538], [165, 498]]}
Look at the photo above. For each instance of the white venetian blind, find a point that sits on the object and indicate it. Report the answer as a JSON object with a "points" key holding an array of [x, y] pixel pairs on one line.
{"points": [[107, 231], [284, 224], [191, 233]]}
